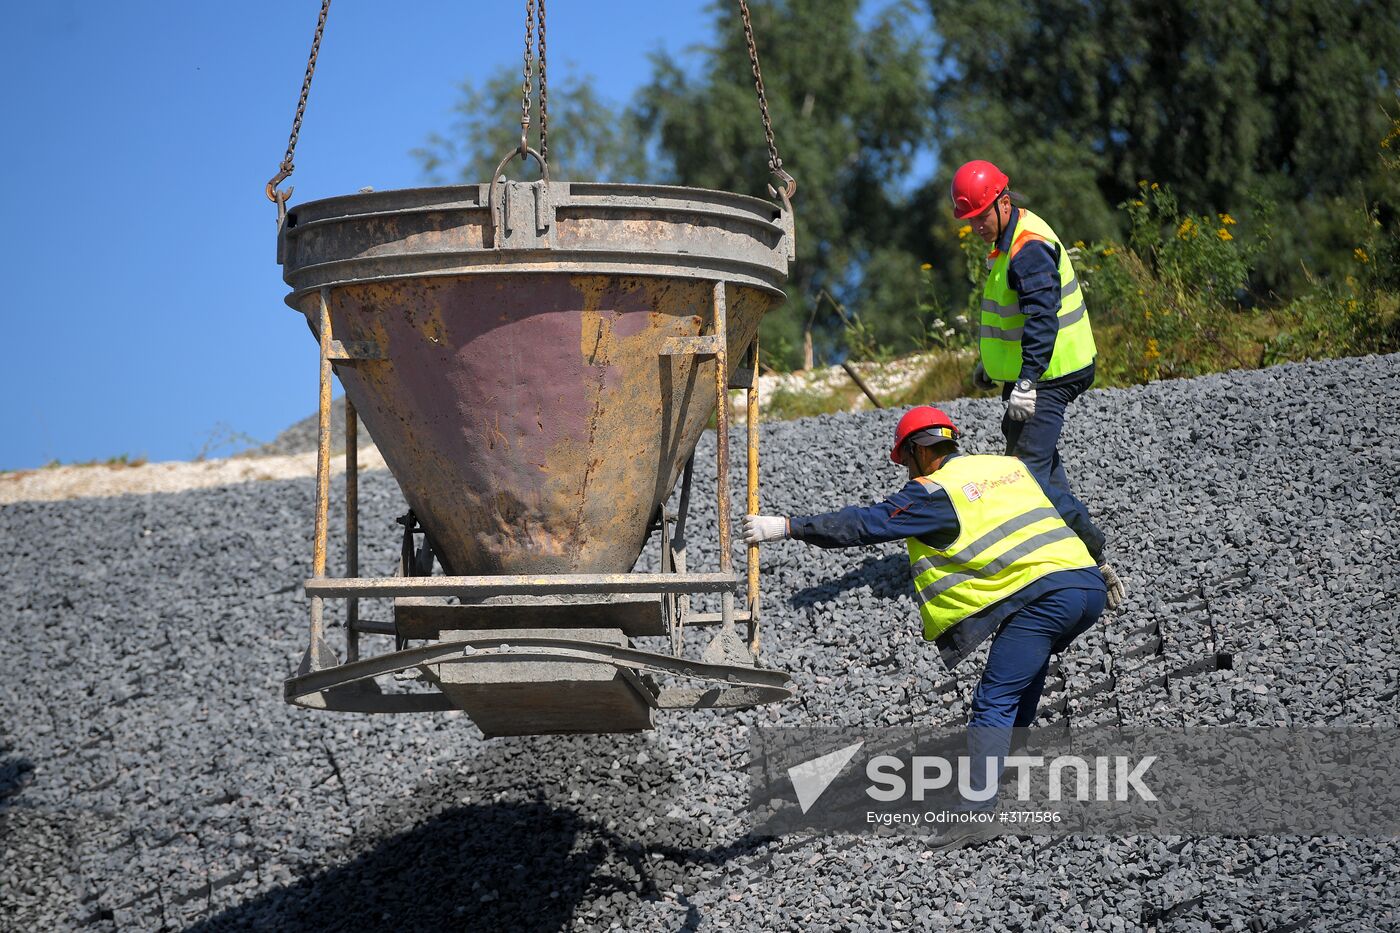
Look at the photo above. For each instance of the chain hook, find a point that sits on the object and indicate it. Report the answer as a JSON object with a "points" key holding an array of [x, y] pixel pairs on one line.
{"points": [[281, 196], [789, 184], [273, 182], [775, 164], [284, 171]]}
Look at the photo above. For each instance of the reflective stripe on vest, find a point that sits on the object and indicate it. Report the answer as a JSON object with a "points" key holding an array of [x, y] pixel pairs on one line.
{"points": [[1009, 536], [1002, 324], [1014, 333], [1014, 308]]}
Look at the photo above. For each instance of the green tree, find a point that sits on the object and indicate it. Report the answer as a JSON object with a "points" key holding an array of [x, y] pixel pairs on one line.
{"points": [[850, 106], [1219, 98], [589, 137], [850, 100]]}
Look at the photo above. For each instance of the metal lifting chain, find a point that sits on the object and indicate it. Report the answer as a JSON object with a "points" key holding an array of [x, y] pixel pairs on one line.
{"points": [[279, 197], [775, 164], [525, 76], [544, 96], [530, 32]]}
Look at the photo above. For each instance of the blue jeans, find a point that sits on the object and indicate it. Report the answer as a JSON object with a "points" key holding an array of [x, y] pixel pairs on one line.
{"points": [[1036, 443], [1009, 693]]}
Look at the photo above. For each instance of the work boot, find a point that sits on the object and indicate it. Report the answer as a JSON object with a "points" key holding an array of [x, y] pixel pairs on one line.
{"points": [[965, 835]]}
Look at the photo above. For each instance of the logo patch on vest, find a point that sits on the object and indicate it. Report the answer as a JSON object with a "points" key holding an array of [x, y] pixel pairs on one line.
{"points": [[975, 491]]}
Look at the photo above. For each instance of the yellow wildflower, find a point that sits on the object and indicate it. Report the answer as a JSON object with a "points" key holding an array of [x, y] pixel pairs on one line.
{"points": [[1187, 230], [1142, 183], [1224, 234], [1138, 202], [1110, 251], [1078, 244], [964, 230], [1227, 220], [1152, 353], [1360, 255], [926, 266], [1154, 186]]}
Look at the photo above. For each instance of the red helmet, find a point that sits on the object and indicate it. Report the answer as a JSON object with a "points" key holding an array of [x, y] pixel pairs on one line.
{"points": [[975, 186], [922, 418]]}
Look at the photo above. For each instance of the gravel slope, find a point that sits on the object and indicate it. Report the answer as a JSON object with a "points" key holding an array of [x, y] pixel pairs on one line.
{"points": [[151, 777], [302, 436]]}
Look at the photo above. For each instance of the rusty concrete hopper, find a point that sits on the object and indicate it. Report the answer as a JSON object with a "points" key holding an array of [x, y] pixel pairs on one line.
{"points": [[536, 362]]}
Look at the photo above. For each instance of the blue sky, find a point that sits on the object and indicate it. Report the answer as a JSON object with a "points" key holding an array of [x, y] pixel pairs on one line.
{"points": [[142, 307]]}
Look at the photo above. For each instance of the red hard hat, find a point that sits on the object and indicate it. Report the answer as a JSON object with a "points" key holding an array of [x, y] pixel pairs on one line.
{"points": [[975, 186], [922, 418]]}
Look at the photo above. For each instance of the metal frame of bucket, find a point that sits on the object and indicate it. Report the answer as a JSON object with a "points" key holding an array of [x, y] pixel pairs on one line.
{"points": [[322, 683], [522, 222]]}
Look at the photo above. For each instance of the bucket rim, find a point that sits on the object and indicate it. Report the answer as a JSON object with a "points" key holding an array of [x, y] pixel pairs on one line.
{"points": [[473, 195]]}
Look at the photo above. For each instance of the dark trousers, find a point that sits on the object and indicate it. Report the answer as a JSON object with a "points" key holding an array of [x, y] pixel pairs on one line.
{"points": [[1008, 695], [1036, 443]]}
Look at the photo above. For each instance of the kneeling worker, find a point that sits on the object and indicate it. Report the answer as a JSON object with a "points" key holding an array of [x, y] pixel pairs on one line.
{"points": [[990, 553]]}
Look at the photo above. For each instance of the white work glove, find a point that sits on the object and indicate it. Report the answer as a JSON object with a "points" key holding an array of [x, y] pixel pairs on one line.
{"points": [[1021, 405], [980, 379], [1116, 592], [761, 528]]}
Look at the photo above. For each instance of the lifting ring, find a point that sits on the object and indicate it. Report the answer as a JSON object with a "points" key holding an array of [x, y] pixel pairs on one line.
{"points": [[524, 152], [493, 200]]}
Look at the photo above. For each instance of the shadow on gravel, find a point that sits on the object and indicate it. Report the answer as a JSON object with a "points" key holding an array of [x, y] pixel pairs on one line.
{"points": [[434, 862], [15, 773], [887, 577]]}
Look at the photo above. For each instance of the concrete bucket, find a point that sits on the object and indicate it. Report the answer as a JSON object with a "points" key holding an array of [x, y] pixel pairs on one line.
{"points": [[536, 362]]}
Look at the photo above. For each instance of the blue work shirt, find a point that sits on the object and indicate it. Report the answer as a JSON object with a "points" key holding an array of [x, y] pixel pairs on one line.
{"points": [[1034, 275], [926, 513]]}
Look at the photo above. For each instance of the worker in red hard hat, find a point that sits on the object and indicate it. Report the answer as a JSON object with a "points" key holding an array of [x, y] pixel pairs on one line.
{"points": [[992, 552], [1034, 333]]}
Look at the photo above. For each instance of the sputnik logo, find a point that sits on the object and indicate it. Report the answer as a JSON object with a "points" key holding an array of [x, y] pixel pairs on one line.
{"points": [[811, 778]]}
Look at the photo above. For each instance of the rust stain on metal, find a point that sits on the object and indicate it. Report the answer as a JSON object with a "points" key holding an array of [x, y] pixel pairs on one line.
{"points": [[751, 503], [537, 401], [524, 405]]}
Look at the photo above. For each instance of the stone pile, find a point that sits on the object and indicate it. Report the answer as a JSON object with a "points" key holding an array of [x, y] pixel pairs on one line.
{"points": [[151, 776]]}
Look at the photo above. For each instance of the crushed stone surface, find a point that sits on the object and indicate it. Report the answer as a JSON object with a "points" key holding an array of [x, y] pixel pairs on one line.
{"points": [[151, 777]]}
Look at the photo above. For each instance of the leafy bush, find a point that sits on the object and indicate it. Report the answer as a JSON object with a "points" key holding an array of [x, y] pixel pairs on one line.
{"points": [[1362, 313], [1359, 315], [1168, 303], [939, 327], [974, 253]]}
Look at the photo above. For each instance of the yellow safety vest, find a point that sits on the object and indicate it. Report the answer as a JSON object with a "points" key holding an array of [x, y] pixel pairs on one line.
{"points": [[1010, 536], [1003, 323]]}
